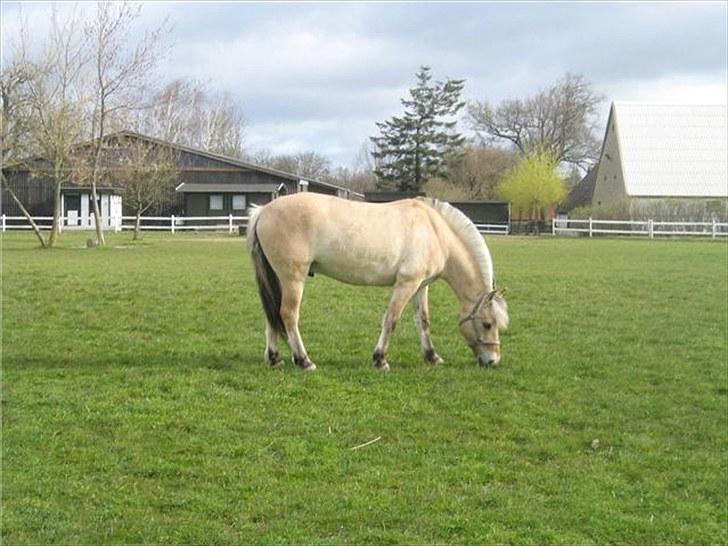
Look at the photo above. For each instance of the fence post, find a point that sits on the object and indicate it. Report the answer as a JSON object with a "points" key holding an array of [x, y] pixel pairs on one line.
{"points": [[714, 230], [230, 223], [553, 226], [590, 226], [172, 224], [651, 228], [4, 225]]}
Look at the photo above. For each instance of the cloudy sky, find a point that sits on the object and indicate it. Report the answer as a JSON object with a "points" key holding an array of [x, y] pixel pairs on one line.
{"points": [[317, 76]]}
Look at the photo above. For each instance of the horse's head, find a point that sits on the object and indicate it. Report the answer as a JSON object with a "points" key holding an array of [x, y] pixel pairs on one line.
{"points": [[480, 327]]}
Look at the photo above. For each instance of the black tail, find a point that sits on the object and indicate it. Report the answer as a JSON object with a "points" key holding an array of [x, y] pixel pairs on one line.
{"points": [[269, 286]]}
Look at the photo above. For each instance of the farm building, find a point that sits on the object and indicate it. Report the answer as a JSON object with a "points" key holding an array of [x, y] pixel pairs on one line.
{"points": [[206, 184], [664, 161], [480, 212]]}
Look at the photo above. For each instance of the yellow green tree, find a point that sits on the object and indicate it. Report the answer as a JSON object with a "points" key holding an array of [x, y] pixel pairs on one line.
{"points": [[533, 186]]}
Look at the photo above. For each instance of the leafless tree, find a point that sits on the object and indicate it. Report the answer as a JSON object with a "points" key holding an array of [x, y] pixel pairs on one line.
{"points": [[188, 113], [120, 78], [15, 128], [360, 176], [304, 164], [560, 121], [54, 104], [145, 173], [479, 169]]}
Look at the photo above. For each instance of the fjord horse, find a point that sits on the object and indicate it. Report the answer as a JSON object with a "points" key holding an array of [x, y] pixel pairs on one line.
{"points": [[406, 244]]}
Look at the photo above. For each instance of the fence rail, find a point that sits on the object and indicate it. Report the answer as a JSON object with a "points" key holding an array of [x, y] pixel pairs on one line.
{"points": [[172, 223], [230, 223], [647, 228]]}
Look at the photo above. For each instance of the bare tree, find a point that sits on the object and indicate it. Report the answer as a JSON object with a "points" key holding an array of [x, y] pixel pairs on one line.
{"points": [[15, 124], [145, 173], [120, 78], [304, 164], [55, 113], [560, 121], [479, 170], [188, 113]]}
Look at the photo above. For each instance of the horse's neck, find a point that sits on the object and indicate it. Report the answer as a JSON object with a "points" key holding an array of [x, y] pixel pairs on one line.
{"points": [[463, 275]]}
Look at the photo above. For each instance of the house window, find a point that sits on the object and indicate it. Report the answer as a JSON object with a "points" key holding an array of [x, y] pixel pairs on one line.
{"points": [[238, 202], [216, 202]]}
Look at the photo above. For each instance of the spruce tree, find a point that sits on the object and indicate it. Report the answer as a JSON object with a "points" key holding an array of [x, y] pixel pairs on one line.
{"points": [[414, 147]]}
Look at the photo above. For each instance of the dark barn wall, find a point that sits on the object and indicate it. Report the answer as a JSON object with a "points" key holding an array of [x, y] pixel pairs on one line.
{"points": [[35, 192], [484, 212], [198, 204]]}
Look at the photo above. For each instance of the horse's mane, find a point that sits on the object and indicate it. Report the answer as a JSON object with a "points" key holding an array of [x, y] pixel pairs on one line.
{"points": [[468, 234]]}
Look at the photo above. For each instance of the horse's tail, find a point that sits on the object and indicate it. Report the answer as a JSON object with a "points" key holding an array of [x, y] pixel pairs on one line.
{"points": [[269, 286]]}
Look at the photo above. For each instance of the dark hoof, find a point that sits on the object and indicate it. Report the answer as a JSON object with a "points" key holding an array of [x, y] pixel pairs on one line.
{"points": [[274, 360], [431, 357], [304, 363], [380, 362]]}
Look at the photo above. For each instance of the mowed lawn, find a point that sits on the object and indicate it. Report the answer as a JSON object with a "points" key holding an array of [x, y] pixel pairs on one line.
{"points": [[136, 407]]}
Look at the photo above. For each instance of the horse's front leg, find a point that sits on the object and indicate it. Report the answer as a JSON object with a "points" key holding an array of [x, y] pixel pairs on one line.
{"points": [[422, 320], [403, 292], [292, 293]]}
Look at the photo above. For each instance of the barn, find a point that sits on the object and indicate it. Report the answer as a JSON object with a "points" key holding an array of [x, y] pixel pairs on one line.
{"points": [[664, 161], [207, 184]]}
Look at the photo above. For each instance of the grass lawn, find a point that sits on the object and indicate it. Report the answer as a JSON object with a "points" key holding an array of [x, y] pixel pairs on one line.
{"points": [[136, 407]]}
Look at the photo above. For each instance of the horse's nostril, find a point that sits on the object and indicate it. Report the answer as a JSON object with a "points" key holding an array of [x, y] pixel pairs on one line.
{"points": [[487, 360]]}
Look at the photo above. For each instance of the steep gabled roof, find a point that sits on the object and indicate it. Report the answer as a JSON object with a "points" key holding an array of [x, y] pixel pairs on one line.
{"points": [[671, 150]]}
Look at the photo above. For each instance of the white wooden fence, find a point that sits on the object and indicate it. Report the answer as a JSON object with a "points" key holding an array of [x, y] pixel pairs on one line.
{"points": [[230, 223], [647, 228], [172, 223]]}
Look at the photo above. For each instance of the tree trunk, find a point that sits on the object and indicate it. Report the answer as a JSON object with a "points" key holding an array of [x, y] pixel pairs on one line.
{"points": [[137, 224], [56, 227], [97, 215], [25, 212]]}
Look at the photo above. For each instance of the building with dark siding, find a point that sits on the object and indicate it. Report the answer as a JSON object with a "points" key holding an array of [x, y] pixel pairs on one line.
{"points": [[207, 184]]}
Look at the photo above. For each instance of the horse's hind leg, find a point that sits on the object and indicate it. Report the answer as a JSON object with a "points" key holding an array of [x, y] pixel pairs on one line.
{"points": [[422, 320], [403, 292], [272, 356], [292, 293]]}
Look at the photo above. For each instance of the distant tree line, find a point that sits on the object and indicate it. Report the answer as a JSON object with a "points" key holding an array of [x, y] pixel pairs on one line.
{"points": [[523, 150]]}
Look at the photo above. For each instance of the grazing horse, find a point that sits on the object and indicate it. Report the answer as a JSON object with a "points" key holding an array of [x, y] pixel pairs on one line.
{"points": [[405, 244]]}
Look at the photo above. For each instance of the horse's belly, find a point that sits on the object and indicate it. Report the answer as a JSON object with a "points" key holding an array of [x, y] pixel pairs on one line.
{"points": [[355, 271]]}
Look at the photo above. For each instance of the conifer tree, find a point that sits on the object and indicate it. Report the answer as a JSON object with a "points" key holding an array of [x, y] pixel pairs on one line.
{"points": [[414, 147]]}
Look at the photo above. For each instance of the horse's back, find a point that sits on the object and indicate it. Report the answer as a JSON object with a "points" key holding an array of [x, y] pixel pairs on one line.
{"points": [[353, 241]]}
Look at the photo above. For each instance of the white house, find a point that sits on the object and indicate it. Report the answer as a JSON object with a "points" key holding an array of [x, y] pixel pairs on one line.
{"points": [[665, 159]]}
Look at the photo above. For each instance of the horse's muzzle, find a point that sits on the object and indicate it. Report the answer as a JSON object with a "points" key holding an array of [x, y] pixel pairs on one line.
{"points": [[488, 359]]}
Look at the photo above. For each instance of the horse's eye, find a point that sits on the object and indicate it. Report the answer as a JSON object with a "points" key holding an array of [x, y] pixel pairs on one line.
{"points": [[487, 325]]}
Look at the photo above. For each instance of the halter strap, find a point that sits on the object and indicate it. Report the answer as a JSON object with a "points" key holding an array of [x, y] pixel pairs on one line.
{"points": [[486, 297]]}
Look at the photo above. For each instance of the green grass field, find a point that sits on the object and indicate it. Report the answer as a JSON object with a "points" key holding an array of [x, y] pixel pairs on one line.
{"points": [[136, 407]]}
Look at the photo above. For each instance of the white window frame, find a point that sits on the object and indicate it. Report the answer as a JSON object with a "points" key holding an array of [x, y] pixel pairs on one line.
{"points": [[210, 201]]}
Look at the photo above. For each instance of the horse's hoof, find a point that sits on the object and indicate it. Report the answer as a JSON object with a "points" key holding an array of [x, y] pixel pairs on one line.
{"points": [[431, 357], [273, 358], [382, 366], [309, 367]]}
